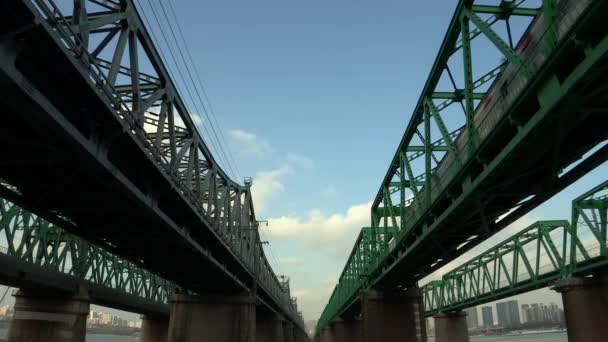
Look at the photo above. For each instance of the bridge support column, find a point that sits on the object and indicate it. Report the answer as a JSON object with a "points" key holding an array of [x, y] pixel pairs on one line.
{"points": [[451, 327], [154, 329], [393, 316], [212, 318], [586, 307], [269, 327], [44, 317], [346, 330], [326, 335], [288, 332], [301, 336]]}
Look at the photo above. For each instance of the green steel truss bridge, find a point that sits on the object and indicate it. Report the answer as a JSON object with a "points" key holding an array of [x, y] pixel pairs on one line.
{"points": [[98, 141], [531, 259], [502, 124], [34, 253]]}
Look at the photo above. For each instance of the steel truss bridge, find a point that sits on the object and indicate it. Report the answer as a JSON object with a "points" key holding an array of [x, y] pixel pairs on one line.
{"points": [[36, 254], [98, 141], [529, 260], [486, 142]]}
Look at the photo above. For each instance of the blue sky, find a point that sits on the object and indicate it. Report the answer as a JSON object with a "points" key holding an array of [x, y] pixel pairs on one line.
{"points": [[313, 98]]}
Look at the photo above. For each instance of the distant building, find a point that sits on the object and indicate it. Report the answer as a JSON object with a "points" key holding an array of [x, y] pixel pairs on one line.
{"points": [[472, 318], [536, 314], [525, 313], [513, 312], [502, 314], [542, 314], [487, 316], [508, 314]]}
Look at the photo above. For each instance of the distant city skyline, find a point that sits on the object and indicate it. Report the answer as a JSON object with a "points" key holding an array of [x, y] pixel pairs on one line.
{"points": [[509, 313]]}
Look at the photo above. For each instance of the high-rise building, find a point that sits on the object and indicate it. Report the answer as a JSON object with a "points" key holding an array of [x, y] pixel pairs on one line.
{"points": [[513, 312], [535, 313], [472, 318], [487, 316], [502, 313], [508, 314], [526, 313]]}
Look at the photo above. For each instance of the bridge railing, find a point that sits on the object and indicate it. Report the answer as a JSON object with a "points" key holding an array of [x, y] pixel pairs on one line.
{"points": [[107, 44], [531, 259]]}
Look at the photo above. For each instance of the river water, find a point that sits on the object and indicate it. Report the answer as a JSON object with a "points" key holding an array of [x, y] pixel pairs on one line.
{"points": [[553, 337]]}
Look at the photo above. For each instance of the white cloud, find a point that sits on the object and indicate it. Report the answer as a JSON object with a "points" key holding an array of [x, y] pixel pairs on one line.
{"points": [[301, 161], [291, 261], [329, 191], [249, 144], [267, 185], [333, 233]]}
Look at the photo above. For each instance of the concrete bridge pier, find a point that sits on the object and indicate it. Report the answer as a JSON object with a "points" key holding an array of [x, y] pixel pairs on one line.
{"points": [[288, 331], [41, 316], [269, 327], [326, 335], [393, 316], [346, 330], [154, 329], [451, 327], [212, 318], [586, 307], [300, 336]]}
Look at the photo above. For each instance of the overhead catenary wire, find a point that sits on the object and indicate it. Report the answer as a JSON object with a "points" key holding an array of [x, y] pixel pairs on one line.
{"points": [[220, 154], [173, 59], [211, 117], [202, 85], [271, 253], [220, 145]]}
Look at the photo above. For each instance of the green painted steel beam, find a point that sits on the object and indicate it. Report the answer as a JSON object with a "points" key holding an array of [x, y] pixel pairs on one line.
{"points": [[506, 11], [455, 95]]}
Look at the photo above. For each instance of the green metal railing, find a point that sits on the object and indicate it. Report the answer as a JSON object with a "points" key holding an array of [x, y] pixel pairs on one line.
{"points": [[531, 259]]}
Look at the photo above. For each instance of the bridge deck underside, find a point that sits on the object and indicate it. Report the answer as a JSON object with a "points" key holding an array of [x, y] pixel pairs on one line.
{"points": [[74, 164], [509, 171]]}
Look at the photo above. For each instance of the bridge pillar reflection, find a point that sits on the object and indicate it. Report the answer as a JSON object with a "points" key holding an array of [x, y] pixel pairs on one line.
{"points": [[269, 327], [212, 318], [154, 329], [451, 327], [41, 316], [346, 330], [585, 307], [393, 316]]}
